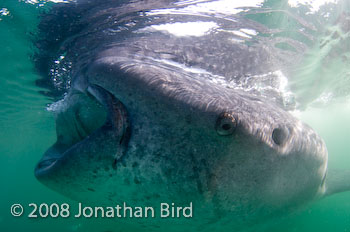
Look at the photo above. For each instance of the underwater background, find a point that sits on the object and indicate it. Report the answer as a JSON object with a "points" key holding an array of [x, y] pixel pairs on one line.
{"points": [[27, 128]]}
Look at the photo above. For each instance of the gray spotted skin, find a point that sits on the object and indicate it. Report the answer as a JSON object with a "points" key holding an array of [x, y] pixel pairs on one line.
{"points": [[160, 141]]}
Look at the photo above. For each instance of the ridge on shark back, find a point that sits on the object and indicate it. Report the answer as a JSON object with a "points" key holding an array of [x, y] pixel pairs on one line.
{"points": [[149, 115]]}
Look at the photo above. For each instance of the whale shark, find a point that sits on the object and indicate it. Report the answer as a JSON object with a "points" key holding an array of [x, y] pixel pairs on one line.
{"points": [[169, 101]]}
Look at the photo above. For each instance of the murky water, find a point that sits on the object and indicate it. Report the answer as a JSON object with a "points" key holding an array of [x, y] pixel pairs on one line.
{"points": [[321, 87]]}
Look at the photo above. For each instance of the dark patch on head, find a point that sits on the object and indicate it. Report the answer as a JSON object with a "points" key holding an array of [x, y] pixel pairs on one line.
{"points": [[91, 189], [137, 181], [204, 162], [135, 164], [114, 165], [188, 119], [167, 173]]}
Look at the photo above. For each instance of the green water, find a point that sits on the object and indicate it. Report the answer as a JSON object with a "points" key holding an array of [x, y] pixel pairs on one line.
{"points": [[27, 129]]}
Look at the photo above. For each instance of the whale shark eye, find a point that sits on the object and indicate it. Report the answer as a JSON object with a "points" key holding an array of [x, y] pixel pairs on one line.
{"points": [[225, 124]]}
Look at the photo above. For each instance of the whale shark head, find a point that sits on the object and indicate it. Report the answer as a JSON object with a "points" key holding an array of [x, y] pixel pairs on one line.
{"points": [[137, 130], [148, 119]]}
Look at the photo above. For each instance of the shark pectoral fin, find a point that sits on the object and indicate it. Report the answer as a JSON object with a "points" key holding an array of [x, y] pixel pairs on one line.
{"points": [[337, 181]]}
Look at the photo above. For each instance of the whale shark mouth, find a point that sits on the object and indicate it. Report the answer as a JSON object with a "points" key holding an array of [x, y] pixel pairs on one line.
{"points": [[76, 118], [84, 116]]}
